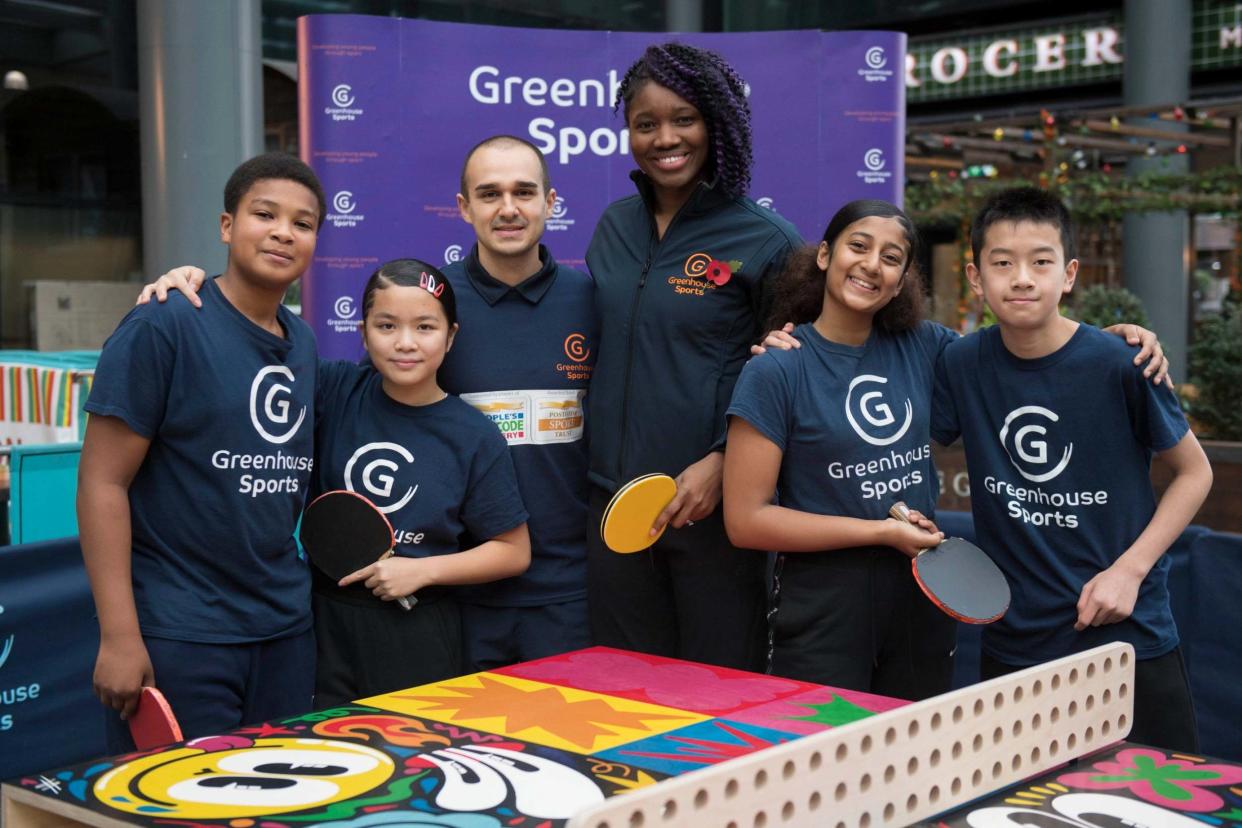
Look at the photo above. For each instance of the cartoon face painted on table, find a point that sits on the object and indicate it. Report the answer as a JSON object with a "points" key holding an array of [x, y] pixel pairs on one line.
{"points": [[228, 776]]}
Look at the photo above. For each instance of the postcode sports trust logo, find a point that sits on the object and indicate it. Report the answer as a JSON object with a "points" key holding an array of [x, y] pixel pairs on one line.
{"points": [[869, 413], [1026, 439], [271, 404], [374, 469]]}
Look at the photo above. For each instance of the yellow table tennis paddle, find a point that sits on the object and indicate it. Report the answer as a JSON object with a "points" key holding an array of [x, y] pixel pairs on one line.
{"points": [[626, 524]]}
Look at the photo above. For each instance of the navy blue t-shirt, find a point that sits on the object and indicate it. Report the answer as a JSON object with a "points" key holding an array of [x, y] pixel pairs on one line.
{"points": [[436, 471], [852, 421], [523, 356], [229, 410], [1059, 455]]}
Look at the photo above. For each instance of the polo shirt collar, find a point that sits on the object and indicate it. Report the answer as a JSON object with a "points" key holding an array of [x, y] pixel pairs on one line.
{"points": [[705, 198], [532, 288]]}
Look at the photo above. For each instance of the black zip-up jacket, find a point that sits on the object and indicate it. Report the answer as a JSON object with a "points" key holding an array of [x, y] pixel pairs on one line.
{"points": [[677, 318]]}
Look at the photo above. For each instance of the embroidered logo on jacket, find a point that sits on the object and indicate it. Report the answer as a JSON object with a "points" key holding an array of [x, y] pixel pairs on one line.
{"points": [[703, 273]]}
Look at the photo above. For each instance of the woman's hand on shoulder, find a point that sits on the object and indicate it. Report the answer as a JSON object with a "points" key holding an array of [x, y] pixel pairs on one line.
{"points": [[782, 340], [187, 279]]}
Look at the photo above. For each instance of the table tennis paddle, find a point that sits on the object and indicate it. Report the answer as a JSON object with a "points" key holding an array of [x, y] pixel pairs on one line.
{"points": [[959, 577], [627, 521], [343, 532], [153, 724]]}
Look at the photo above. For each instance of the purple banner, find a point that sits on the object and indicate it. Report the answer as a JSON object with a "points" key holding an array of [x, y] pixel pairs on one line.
{"points": [[390, 107]]}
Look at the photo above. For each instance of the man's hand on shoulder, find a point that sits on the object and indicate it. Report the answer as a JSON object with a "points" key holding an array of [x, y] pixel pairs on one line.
{"points": [[1150, 352]]}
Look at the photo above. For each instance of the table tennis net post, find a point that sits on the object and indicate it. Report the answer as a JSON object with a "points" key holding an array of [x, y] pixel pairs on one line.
{"points": [[907, 764]]}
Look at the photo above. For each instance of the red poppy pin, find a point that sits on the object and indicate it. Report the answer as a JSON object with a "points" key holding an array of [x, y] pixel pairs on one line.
{"points": [[719, 273]]}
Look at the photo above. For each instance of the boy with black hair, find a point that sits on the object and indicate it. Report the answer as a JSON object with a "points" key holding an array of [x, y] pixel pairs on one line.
{"points": [[211, 410], [1059, 430]]}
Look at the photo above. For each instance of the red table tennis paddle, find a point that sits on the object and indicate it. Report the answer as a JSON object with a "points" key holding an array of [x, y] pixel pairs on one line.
{"points": [[153, 724], [959, 577], [343, 532]]}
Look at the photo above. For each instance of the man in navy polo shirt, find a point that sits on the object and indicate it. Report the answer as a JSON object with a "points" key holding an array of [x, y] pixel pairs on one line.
{"points": [[523, 356]]}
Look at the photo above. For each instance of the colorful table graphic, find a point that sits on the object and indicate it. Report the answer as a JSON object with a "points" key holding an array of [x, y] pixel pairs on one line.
{"points": [[522, 747], [1123, 785]]}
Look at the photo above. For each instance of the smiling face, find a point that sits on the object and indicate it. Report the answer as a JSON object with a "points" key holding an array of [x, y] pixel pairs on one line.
{"points": [[271, 236], [407, 334], [865, 265], [505, 202], [271, 776], [1022, 273], [668, 138]]}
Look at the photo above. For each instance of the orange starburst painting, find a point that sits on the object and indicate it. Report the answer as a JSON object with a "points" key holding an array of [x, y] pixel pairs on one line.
{"points": [[546, 714]]}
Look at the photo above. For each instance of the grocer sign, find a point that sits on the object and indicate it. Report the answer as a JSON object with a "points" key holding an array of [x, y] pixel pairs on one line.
{"points": [[1086, 50]]}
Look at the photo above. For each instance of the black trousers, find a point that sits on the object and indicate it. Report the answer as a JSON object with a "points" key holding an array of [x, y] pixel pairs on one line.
{"points": [[369, 649], [856, 619], [1164, 712], [693, 595]]}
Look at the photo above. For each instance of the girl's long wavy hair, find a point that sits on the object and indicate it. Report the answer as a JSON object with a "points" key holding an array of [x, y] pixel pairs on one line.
{"points": [[711, 85], [799, 291]]}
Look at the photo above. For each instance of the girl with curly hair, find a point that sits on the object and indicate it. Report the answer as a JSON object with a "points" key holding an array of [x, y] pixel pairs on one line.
{"points": [[823, 439], [681, 270]]}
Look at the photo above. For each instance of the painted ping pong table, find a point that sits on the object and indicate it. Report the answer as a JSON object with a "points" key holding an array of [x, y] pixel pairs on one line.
{"points": [[604, 738]]}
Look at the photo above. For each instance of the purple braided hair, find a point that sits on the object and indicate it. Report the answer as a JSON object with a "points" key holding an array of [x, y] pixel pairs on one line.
{"points": [[712, 86]]}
